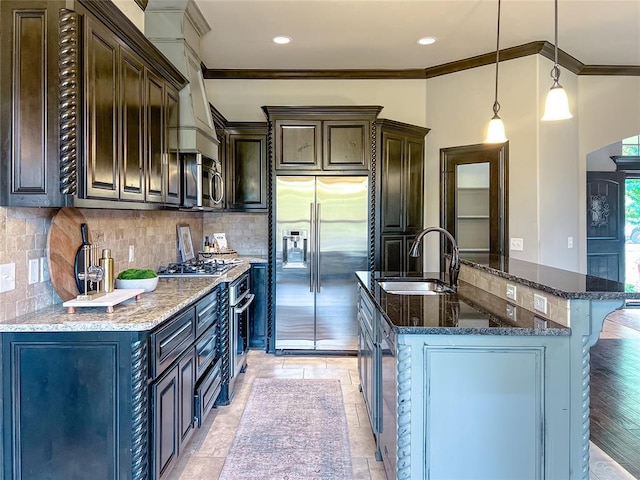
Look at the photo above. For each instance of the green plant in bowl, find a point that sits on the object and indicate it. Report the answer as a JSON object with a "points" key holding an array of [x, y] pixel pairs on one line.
{"points": [[137, 278]]}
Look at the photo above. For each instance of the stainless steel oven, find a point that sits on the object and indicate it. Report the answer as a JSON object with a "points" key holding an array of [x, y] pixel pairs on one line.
{"points": [[240, 299], [202, 182]]}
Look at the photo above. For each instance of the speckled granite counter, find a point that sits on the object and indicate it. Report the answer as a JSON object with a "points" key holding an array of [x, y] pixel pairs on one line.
{"points": [[469, 311], [170, 296], [558, 282]]}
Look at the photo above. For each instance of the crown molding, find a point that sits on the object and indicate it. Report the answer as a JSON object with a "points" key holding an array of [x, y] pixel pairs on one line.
{"points": [[543, 48]]}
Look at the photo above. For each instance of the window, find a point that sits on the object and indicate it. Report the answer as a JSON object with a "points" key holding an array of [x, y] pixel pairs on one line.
{"points": [[631, 146]]}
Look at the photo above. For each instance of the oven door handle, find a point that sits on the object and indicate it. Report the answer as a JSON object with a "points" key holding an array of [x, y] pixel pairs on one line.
{"points": [[239, 310]]}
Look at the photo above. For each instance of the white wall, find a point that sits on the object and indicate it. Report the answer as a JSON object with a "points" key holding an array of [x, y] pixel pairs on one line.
{"points": [[609, 111], [241, 100], [131, 9], [547, 161]]}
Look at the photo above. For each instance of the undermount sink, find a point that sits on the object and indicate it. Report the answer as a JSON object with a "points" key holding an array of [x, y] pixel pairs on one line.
{"points": [[430, 286]]}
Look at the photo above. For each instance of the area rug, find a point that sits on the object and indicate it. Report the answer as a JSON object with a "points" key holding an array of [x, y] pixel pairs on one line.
{"points": [[291, 430]]}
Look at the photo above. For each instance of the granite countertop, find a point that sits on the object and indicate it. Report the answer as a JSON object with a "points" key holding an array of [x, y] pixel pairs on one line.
{"points": [[469, 311], [170, 296], [562, 283]]}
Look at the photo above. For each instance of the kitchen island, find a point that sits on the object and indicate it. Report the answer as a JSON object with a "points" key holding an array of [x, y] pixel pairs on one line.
{"points": [[473, 384], [93, 394]]}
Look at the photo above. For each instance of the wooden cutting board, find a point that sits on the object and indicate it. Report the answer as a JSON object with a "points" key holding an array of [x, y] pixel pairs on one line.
{"points": [[63, 241]]}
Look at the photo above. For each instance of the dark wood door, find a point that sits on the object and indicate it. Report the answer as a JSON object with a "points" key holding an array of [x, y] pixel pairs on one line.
{"points": [[258, 317], [605, 225], [475, 210], [155, 137], [30, 97], [346, 145], [247, 171], [298, 144], [102, 107], [186, 379], [414, 181], [173, 186], [165, 401], [132, 102], [392, 218]]}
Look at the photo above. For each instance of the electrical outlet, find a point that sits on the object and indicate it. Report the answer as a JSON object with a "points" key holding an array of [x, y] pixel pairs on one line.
{"points": [[132, 253], [7, 277], [517, 244], [44, 270], [569, 242], [539, 322], [511, 312], [511, 292], [540, 303], [34, 270]]}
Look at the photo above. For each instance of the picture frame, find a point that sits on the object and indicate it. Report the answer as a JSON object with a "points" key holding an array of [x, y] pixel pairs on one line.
{"points": [[185, 245]]}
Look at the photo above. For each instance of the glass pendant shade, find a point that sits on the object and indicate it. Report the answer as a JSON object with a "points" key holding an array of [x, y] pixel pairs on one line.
{"points": [[557, 105], [495, 132]]}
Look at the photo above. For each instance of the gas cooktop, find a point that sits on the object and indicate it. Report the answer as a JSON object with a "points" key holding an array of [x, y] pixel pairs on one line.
{"points": [[200, 268]]}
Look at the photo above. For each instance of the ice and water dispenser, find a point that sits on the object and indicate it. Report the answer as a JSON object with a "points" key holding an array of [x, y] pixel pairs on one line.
{"points": [[294, 249]]}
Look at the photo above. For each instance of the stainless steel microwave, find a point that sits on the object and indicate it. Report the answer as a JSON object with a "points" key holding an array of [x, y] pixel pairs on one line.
{"points": [[202, 182]]}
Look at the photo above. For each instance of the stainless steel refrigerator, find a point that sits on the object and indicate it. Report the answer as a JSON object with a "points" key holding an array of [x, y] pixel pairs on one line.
{"points": [[321, 240]]}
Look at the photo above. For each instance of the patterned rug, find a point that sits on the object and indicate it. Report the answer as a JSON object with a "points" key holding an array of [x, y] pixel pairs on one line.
{"points": [[291, 430]]}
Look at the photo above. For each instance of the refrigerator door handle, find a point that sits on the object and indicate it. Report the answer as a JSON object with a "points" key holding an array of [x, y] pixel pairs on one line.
{"points": [[311, 247], [318, 282]]}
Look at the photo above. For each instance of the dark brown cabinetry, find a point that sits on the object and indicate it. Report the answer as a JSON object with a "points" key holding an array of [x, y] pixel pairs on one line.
{"points": [[243, 149], [130, 148], [399, 194], [87, 108], [246, 167], [322, 139], [29, 102]]}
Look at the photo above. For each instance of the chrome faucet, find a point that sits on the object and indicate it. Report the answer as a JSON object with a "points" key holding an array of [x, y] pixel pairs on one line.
{"points": [[454, 265]]}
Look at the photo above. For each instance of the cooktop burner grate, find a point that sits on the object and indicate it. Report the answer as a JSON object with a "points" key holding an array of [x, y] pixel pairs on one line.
{"points": [[201, 268]]}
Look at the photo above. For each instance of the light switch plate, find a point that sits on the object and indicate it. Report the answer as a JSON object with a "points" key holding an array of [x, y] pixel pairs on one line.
{"points": [[7, 277], [511, 292], [517, 244], [34, 270], [540, 303]]}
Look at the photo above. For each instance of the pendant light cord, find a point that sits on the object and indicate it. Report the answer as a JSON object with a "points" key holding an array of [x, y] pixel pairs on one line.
{"points": [[496, 105], [555, 71]]}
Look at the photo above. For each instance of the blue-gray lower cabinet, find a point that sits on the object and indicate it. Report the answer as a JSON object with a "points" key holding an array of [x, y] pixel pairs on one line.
{"points": [[75, 404], [258, 318]]}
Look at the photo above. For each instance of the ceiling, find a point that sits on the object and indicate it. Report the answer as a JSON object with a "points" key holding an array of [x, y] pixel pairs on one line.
{"points": [[382, 34]]}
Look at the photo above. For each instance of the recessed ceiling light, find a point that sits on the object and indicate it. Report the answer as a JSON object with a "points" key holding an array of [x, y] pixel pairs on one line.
{"points": [[427, 40], [281, 40]]}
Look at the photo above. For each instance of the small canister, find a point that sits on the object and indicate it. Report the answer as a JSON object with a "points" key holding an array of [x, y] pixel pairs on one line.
{"points": [[106, 262]]}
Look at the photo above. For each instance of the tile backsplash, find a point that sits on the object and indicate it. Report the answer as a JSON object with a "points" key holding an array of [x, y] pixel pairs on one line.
{"points": [[23, 236]]}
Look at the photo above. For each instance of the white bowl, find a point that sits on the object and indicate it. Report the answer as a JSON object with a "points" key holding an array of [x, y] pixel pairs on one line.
{"points": [[148, 284]]}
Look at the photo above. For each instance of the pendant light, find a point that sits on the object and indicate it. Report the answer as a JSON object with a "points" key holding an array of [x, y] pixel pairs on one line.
{"points": [[495, 132], [557, 104]]}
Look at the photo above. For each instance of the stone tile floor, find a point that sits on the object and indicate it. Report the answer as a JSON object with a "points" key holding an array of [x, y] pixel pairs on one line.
{"points": [[206, 451]]}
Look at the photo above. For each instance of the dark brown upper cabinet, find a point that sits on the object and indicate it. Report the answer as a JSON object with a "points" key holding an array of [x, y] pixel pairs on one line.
{"points": [[399, 185], [79, 120], [317, 140], [247, 167], [243, 149], [29, 102]]}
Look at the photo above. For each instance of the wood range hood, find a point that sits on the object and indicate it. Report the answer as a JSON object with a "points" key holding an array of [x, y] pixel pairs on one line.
{"points": [[175, 28]]}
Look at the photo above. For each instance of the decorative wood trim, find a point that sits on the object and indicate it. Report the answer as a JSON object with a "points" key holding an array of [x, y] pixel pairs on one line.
{"points": [[119, 23], [403, 408], [402, 128], [224, 344], [271, 252], [235, 74], [543, 48], [68, 65], [626, 163], [219, 120], [586, 399], [139, 411], [613, 70], [372, 196], [321, 112]]}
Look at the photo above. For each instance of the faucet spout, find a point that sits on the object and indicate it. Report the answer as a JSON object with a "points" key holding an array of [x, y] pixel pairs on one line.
{"points": [[454, 265]]}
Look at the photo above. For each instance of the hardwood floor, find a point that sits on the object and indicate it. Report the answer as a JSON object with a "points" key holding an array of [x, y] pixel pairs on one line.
{"points": [[615, 390]]}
